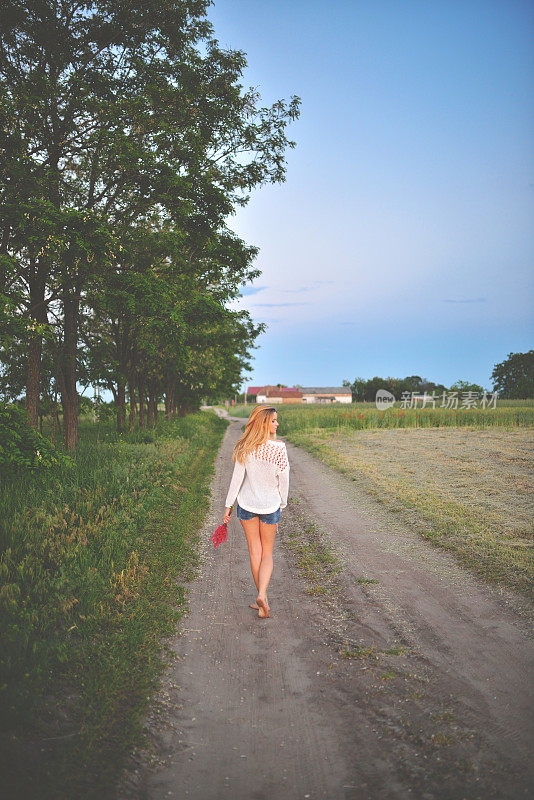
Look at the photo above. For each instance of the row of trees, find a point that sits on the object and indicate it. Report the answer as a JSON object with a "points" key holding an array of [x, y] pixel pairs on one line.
{"points": [[513, 378], [365, 390], [126, 142]]}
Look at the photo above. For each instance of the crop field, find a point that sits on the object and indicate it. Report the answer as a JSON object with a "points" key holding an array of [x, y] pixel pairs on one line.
{"points": [[366, 415]]}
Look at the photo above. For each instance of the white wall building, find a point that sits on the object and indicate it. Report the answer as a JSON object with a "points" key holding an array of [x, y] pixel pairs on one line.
{"points": [[326, 394], [306, 394]]}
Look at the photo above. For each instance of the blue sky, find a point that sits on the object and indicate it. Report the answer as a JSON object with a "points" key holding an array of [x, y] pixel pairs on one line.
{"points": [[402, 241]]}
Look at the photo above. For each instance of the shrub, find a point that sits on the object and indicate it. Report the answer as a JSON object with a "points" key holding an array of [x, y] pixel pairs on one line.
{"points": [[23, 449]]}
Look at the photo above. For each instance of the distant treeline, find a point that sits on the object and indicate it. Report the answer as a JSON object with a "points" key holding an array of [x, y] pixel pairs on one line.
{"points": [[365, 390], [513, 379]]}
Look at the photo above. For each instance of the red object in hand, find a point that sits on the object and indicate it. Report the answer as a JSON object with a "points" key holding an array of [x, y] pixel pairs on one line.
{"points": [[220, 535]]}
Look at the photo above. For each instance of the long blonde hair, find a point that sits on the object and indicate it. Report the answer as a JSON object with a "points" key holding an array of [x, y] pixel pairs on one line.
{"points": [[256, 432]]}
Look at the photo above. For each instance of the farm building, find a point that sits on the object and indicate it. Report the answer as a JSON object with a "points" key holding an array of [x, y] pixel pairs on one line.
{"points": [[273, 394], [305, 394], [329, 394]]}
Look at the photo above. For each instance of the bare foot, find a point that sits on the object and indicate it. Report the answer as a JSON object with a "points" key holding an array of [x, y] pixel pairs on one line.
{"points": [[264, 609], [255, 606]]}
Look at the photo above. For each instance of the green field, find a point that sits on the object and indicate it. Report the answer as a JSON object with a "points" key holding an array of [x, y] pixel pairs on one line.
{"points": [[360, 416], [92, 577]]}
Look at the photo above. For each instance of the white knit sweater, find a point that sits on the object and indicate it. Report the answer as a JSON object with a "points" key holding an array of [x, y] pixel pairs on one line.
{"points": [[261, 484]]}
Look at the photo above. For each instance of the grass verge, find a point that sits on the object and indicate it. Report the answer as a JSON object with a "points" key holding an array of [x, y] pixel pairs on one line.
{"points": [[317, 561], [92, 577]]}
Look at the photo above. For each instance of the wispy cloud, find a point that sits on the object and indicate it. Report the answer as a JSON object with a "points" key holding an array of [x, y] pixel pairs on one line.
{"points": [[468, 300], [247, 290], [278, 305]]}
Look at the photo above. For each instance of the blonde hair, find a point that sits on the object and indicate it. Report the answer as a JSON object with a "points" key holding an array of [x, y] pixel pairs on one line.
{"points": [[256, 432]]}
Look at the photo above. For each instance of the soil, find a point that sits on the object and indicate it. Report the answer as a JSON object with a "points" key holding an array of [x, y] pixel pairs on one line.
{"points": [[400, 676]]}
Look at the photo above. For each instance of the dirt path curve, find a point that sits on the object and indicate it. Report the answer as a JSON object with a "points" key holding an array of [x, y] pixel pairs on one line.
{"points": [[416, 686]]}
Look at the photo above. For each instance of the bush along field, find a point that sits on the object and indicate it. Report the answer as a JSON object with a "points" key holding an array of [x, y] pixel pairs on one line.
{"points": [[95, 552]]}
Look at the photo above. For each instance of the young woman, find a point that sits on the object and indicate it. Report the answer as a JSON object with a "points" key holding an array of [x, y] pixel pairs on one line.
{"points": [[260, 483]]}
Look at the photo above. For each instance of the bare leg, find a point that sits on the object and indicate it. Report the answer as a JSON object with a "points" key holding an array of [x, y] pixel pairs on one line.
{"points": [[267, 534], [252, 532]]}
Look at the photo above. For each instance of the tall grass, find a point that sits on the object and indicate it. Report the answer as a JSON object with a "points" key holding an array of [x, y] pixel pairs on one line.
{"points": [[92, 575], [366, 415]]}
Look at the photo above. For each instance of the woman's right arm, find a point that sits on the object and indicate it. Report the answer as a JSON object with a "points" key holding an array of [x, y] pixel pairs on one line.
{"points": [[235, 485], [283, 478]]}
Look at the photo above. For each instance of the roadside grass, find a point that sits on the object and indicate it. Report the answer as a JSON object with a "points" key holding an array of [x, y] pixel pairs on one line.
{"points": [[92, 577], [468, 490]]}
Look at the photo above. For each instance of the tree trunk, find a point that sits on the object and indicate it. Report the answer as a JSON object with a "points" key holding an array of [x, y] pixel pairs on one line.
{"points": [[37, 315], [32, 380], [54, 417], [133, 405], [141, 388], [69, 394], [121, 402], [155, 402], [152, 404], [111, 386]]}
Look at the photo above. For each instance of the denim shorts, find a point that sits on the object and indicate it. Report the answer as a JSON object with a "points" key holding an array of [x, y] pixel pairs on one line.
{"points": [[273, 518]]}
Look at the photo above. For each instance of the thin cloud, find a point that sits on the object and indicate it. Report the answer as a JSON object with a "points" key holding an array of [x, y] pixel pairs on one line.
{"points": [[468, 300], [248, 290], [278, 305]]}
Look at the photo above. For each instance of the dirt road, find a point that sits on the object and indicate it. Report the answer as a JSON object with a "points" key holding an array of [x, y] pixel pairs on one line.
{"points": [[401, 677]]}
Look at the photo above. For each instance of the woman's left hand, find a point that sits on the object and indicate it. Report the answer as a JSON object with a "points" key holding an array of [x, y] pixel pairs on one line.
{"points": [[227, 515]]}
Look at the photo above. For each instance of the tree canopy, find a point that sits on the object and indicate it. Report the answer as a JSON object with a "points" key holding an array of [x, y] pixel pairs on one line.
{"points": [[127, 140], [513, 378]]}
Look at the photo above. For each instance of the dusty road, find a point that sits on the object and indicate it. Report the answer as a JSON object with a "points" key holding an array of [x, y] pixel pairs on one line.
{"points": [[404, 677]]}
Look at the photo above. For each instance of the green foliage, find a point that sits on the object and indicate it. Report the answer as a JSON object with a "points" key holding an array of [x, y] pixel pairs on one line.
{"points": [[365, 390], [23, 449], [92, 567], [127, 141], [513, 378], [465, 386]]}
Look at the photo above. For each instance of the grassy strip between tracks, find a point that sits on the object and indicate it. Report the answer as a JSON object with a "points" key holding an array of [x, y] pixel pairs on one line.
{"points": [[92, 578]]}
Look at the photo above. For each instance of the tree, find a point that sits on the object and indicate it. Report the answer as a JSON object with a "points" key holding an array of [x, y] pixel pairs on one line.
{"points": [[465, 386], [513, 378], [111, 112], [357, 388]]}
